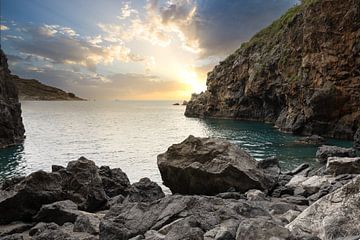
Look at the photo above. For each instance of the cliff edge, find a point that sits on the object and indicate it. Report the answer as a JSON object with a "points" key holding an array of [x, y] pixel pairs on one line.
{"points": [[302, 73], [11, 126]]}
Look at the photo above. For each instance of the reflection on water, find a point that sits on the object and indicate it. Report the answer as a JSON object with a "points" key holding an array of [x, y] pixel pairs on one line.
{"points": [[130, 134]]}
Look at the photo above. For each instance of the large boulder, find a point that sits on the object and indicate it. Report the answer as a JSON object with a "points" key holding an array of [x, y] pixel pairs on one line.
{"points": [[79, 182], [357, 139], [58, 212], [11, 126], [325, 151], [210, 166], [333, 216], [338, 166]]}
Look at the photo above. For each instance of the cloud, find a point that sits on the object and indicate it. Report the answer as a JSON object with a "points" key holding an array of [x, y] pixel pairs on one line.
{"points": [[62, 45], [3, 28]]}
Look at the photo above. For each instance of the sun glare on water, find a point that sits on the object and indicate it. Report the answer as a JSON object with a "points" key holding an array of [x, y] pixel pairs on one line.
{"points": [[192, 79]]}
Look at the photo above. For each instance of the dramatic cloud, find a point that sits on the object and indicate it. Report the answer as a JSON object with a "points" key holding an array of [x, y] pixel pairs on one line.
{"points": [[3, 28]]}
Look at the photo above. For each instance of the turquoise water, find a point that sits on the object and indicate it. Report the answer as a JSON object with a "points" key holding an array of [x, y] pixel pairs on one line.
{"points": [[130, 134]]}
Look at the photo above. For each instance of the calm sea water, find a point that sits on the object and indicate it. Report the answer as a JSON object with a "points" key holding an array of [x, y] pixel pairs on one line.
{"points": [[130, 134]]}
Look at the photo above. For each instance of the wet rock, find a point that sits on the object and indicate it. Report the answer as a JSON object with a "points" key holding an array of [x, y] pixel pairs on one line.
{"points": [[357, 139], [328, 218], [144, 191], [58, 212], [338, 166], [11, 126], [79, 182], [115, 181], [324, 152], [211, 166]]}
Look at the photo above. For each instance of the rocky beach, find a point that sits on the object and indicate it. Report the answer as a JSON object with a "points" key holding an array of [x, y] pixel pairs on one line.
{"points": [[300, 74]]}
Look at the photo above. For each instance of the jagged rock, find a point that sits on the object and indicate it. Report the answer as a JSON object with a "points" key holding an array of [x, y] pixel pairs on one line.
{"points": [[298, 170], [333, 216], [300, 73], [324, 152], [129, 220], [88, 222], [261, 229], [313, 140], [13, 237], [357, 139], [211, 166], [114, 181], [337, 166], [290, 215], [40, 227], [144, 191], [79, 182], [58, 212], [255, 195], [310, 184], [11, 126], [13, 228], [231, 195]]}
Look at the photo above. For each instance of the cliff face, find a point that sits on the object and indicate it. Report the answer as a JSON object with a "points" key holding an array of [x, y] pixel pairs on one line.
{"points": [[11, 126], [31, 89], [301, 73]]}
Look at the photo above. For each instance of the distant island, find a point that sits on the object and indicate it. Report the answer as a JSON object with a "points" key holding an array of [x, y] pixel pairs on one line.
{"points": [[33, 90]]}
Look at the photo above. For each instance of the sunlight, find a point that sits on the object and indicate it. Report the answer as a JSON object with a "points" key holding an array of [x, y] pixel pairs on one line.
{"points": [[191, 78]]}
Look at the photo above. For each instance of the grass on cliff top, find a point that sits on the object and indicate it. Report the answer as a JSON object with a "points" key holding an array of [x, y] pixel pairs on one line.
{"points": [[269, 34]]}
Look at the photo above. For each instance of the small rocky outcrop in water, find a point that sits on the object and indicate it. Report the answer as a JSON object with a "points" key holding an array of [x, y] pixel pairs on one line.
{"points": [[11, 126], [301, 73], [210, 166]]}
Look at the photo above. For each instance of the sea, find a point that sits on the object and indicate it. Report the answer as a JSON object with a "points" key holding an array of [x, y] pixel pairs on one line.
{"points": [[130, 134]]}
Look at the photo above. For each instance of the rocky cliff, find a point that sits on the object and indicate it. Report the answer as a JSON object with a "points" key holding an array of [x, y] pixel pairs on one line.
{"points": [[302, 73], [11, 126], [31, 89]]}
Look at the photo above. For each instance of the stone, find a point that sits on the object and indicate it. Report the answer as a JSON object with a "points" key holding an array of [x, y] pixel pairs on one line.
{"points": [[324, 152], [342, 165], [357, 139], [210, 166], [13, 237], [261, 229], [11, 125], [13, 228], [255, 195], [312, 140], [88, 222], [79, 182], [58, 212], [115, 181], [231, 195], [333, 216], [310, 184], [290, 215], [40, 227], [298, 170], [144, 191], [175, 215]]}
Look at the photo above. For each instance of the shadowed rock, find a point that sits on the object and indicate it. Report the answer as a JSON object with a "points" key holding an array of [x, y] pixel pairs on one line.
{"points": [[211, 166], [324, 152]]}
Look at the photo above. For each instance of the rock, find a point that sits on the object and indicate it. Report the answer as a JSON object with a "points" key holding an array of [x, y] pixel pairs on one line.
{"points": [[40, 227], [329, 217], [13, 237], [290, 215], [11, 126], [261, 229], [13, 228], [298, 170], [312, 140], [58, 212], [8, 183], [324, 152], [88, 222], [211, 166], [357, 139], [186, 214], [292, 75], [298, 200], [79, 182], [342, 165], [255, 195], [184, 103], [56, 168], [231, 195], [144, 191], [114, 181], [310, 184]]}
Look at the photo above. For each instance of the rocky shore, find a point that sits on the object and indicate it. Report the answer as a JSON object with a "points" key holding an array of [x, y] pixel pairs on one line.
{"points": [[301, 73], [218, 192]]}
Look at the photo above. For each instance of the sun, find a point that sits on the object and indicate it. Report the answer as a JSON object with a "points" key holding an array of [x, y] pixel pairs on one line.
{"points": [[192, 79]]}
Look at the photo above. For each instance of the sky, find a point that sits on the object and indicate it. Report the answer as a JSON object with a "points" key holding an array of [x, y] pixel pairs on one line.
{"points": [[118, 49]]}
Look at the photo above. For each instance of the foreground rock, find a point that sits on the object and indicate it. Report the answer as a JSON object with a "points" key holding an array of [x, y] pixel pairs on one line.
{"points": [[337, 166], [333, 216], [300, 73], [79, 181], [324, 152], [210, 166], [11, 126]]}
